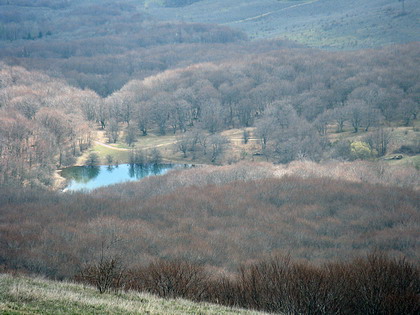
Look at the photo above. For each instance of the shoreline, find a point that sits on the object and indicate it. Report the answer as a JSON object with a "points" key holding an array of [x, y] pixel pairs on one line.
{"points": [[60, 182]]}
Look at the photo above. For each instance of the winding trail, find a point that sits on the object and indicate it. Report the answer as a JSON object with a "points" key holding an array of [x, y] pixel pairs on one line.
{"points": [[269, 13], [110, 147], [124, 149]]}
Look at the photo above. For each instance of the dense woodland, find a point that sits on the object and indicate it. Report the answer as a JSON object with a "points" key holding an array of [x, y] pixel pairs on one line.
{"points": [[293, 97], [70, 67], [219, 217], [42, 126], [102, 46], [71, 70], [290, 96]]}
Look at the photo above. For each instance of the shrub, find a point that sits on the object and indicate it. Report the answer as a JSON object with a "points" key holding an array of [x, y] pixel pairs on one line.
{"points": [[109, 159], [380, 284], [171, 279], [105, 275], [360, 150], [138, 157], [372, 285], [155, 156], [93, 159]]}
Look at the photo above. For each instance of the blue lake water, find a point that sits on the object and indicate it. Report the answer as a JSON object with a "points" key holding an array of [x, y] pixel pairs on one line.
{"points": [[91, 177]]}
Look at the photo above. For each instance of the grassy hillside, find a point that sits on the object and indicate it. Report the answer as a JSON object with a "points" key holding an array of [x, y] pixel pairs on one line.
{"points": [[334, 24], [24, 295]]}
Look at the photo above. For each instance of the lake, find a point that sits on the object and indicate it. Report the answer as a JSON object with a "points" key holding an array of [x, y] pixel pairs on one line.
{"points": [[91, 177]]}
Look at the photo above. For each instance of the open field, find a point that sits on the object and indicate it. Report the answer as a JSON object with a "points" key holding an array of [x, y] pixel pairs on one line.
{"points": [[24, 295]]}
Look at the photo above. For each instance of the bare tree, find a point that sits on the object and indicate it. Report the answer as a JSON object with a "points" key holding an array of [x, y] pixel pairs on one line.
{"points": [[159, 110], [184, 143], [371, 118], [130, 135], [89, 107], [212, 116], [321, 123], [379, 140], [217, 144], [155, 156], [58, 124], [265, 128], [283, 113], [105, 274], [408, 110], [103, 113], [340, 115], [356, 110], [127, 108], [143, 118], [179, 113], [113, 131]]}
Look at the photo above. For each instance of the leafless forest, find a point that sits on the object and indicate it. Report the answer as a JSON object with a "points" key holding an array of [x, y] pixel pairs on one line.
{"points": [[319, 216], [294, 100]]}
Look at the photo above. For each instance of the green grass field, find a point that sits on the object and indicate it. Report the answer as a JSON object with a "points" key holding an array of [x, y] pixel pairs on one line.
{"points": [[24, 295]]}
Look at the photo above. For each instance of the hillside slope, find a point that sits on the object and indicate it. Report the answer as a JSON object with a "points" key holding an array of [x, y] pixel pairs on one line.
{"points": [[23, 295], [334, 24]]}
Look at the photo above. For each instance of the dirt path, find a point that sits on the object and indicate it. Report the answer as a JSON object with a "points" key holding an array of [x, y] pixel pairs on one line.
{"points": [[110, 147], [124, 149], [269, 13]]}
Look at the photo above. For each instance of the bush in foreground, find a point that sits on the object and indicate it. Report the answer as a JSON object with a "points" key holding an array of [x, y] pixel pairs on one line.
{"points": [[372, 285], [171, 280]]}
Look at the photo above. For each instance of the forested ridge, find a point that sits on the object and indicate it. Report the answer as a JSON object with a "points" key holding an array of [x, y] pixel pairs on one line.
{"points": [[101, 46]]}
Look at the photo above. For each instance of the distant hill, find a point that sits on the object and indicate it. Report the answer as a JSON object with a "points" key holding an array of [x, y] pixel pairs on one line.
{"points": [[332, 24]]}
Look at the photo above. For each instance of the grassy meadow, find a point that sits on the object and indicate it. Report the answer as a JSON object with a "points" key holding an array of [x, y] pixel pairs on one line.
{"points": [[26, 295]]}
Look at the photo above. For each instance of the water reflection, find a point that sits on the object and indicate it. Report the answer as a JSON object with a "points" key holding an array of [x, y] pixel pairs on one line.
{"points": [[82, 174], [91, 177], [142, 170]]}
